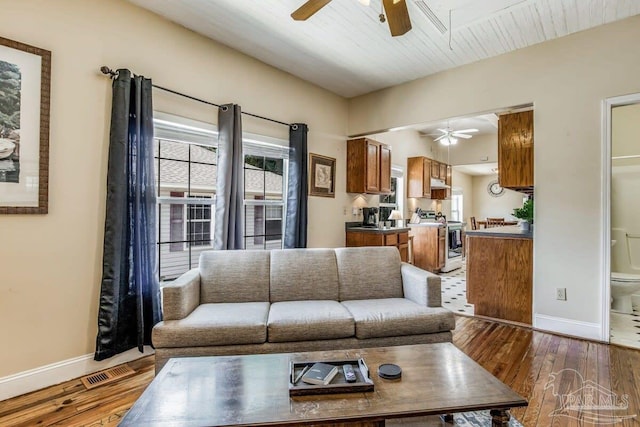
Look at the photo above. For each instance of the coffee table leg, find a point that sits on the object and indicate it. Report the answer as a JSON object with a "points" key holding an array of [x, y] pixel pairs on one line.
{"points": [[447, 418], [499, 417]]}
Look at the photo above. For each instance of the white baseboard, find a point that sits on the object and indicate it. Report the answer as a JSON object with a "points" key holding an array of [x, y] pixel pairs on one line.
{"points": [[574, 328], [56, 373]]}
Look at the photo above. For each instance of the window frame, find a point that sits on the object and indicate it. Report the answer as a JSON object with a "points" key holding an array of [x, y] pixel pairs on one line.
{"points": [[171, 128]]}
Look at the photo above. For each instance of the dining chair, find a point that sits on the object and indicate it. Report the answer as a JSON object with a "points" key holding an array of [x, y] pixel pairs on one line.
{"points": [[495, 222], [474, 225]]}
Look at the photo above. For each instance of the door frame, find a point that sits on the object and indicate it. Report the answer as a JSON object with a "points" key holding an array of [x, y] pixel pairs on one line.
{"points": [[607, 105]]}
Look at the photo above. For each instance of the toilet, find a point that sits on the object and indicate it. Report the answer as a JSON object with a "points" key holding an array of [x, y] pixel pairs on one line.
{"points": [[625, 277], [623, 285]]}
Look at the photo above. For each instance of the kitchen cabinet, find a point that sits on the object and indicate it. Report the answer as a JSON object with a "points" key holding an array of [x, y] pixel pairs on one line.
{"points": [[515, 151], [368, 166], [419, 177], [420, 170], [380, 237], [429, 245]]}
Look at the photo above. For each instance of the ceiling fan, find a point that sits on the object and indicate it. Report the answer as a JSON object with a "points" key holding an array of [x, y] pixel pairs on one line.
{"points": [[450, 136], [396, 11]]}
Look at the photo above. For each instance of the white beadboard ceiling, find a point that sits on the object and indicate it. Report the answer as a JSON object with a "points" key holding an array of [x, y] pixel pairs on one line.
{"points": [[345, 49]]}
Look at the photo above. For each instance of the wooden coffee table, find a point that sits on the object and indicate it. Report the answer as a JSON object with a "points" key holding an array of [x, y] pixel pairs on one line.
{"points": [[253, 390]]}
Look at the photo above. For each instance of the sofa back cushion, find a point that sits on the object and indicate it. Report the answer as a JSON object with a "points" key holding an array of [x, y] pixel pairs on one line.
{"points": [[303, 274], [234, 276], [369, 273]]}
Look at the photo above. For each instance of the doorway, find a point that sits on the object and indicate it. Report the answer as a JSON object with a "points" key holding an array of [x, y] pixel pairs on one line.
{"points": [[621, 228]]}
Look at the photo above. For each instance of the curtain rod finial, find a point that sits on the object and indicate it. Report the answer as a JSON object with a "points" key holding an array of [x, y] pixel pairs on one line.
{"points": [[106, 70]]}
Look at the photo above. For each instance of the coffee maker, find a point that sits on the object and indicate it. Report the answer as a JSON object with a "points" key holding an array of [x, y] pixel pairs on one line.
{"points": [[370, 217]]}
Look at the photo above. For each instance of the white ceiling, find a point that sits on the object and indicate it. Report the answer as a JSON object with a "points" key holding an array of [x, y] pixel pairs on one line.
{"points": [[478, 169], [345, 49], [487, 124]]}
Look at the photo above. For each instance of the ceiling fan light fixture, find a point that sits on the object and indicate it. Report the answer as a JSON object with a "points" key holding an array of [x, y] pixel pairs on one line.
{"points": [[448, 140]]}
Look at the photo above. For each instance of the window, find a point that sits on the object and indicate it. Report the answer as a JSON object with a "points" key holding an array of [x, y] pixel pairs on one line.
{"points": [[456, 207], [185, 153], [265, 190], [393, 201]]}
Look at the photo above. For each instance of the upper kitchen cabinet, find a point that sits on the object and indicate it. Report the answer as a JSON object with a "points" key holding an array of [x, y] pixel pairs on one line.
{"points": [[419, 177], [515, 151], [368, 166]]}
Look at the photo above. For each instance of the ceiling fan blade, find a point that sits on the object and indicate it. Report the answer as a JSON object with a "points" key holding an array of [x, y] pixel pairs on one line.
{"points": [[461, 135], [310, 7], [398, 16], [444, 130], [440, 137], [467, 130]]}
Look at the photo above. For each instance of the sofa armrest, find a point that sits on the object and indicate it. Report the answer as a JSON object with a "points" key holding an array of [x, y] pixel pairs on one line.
{"points": [[182, 296], [421, 286]]}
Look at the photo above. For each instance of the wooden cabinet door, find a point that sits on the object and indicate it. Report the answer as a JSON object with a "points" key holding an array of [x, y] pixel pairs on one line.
{"points": [[404, 252], [373, 167], [385, 169], [443, 171], [515, 150], [435, 169], [426, 178]]}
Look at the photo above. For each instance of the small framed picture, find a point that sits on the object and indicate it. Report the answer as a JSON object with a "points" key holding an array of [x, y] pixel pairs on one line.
{"points": [[25, 73], [322, 171]]}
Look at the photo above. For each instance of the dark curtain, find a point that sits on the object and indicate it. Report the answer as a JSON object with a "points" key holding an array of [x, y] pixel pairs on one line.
{"points": [[129, 297], [228, 233], [295, 229]]}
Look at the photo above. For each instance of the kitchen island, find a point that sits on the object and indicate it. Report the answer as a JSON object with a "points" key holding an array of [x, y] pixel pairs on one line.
{"points": [[500, 273]]}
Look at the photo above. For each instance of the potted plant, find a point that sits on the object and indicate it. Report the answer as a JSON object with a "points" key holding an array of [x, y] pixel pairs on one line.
{"points": [[525, 214]]}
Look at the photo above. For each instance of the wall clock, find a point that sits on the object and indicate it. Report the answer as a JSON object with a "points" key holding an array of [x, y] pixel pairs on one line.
{"points": [[495, 189]]}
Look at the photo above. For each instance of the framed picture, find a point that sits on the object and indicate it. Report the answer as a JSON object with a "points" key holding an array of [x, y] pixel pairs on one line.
{"points": [[322, 171], [25, 81]]}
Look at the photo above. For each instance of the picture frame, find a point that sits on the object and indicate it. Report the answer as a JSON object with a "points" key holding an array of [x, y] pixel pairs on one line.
{"points": [[25, 89], [322, 173]]}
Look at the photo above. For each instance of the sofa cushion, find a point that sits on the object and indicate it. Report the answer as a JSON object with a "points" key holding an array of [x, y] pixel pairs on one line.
{"points": [[215, 324], [308, 320], [303, 274], [369, 273], [234, 276], [377, 318]]}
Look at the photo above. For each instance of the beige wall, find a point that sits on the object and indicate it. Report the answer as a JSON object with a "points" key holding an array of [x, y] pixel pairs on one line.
{"points": [[405, 144], [566, 80], [464, 183], [479, 149], [485, 205], [51, 264]]}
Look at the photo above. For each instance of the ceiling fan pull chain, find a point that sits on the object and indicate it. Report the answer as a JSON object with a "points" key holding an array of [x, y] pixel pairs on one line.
{"points": [[450, 29]]}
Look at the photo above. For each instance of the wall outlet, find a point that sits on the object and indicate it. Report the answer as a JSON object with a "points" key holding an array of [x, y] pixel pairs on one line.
{"points": [[561, 294]]}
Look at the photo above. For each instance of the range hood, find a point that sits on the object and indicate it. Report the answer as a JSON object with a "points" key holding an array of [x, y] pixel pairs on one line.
{"points": [[437, 184]]}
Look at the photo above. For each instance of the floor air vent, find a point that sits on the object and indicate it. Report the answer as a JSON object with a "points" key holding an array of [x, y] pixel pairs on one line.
{"points": [[106, 376]]}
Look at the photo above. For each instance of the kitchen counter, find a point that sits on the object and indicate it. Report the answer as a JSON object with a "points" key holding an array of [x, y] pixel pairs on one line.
{"points": [[427, 224], [357, 235], [388, 230], [513, 231]]}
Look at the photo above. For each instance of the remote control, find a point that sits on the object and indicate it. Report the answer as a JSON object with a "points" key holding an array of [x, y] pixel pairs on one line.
{"points": [[349, 375]]}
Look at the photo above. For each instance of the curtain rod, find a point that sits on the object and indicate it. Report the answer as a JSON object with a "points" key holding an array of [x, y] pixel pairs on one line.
{"points": [[111, 73]]}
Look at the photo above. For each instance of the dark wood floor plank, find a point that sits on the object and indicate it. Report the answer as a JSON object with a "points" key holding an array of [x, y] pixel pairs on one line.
{"points": [[521, 358]]}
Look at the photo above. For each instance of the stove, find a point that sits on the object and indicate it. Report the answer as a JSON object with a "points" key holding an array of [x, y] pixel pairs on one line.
{"points": [[453, 246]]}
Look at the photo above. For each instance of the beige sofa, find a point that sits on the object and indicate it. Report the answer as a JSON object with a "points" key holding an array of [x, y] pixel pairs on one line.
{"points": [[245, 302]]}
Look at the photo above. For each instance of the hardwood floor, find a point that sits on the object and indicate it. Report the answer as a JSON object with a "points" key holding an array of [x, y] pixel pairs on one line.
{"points": [[521, 358]]}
